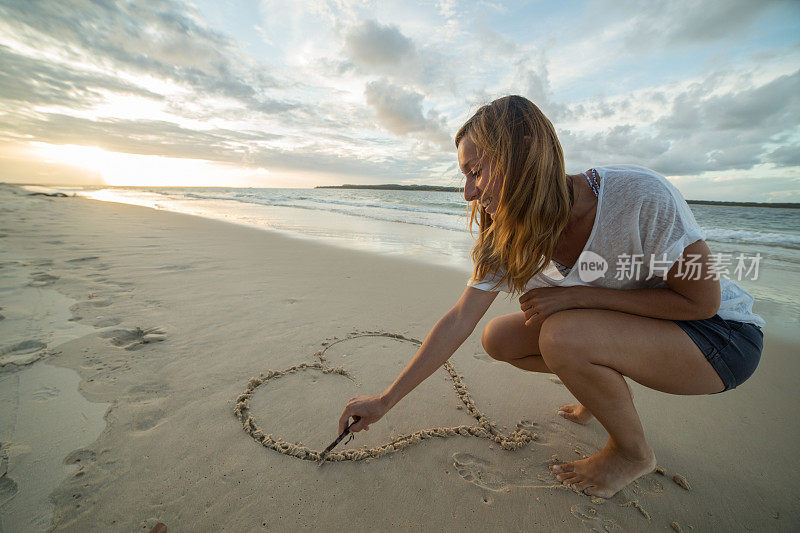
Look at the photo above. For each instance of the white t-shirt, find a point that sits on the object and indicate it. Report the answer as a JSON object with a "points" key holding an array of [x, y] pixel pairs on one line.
{"points": [[641, 228]]}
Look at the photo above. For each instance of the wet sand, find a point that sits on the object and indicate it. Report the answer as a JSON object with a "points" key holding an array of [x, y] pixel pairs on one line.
{"points": [[217, 360]]}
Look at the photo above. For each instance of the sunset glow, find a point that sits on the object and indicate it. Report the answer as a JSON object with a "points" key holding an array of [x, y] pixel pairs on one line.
{"points": [[148, 170]]}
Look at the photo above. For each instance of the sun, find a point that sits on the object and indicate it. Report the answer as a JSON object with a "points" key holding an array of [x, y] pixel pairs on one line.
{"points": [[121, 169]]}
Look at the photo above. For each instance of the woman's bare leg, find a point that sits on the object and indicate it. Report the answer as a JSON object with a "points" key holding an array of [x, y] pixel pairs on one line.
{"points": [[653, 352], [507, 338], [578, 413]]}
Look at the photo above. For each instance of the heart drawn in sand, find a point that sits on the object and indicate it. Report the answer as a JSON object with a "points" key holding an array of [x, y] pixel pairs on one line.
{"points": [[482, 428]]}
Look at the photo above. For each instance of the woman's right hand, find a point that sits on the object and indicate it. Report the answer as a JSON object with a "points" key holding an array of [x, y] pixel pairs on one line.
{"points": [[369, 408]]}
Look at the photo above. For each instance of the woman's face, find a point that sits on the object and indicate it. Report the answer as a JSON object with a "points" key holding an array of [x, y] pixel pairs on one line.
{"points": [[479, 186]]}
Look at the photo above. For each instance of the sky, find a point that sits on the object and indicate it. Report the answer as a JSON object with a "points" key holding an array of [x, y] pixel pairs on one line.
{"points": [[263, 93]]}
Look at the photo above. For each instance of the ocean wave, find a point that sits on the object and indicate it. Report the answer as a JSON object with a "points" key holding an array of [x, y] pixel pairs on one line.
{"points": [[383, 218], [423, 208], [784, 240], [325, 203]]}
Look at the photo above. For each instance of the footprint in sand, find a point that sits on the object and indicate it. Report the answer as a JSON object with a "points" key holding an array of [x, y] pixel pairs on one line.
{"points": [[147, 390], [531, 474], [80, 457], [480, 472], [482, 356], [135, 338], [486, 475], [88, 461], [42, 394], [648, 484], [90, 476], [41, 279], [88, 308], [563, 431], [23, 347], [105, 322], [592, 519], [21, 353], [8, 487], [147, 416]]}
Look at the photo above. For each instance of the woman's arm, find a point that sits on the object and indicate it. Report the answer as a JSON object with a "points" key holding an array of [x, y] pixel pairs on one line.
{"points": [[686, 298], [443, 340], [447, 335]]}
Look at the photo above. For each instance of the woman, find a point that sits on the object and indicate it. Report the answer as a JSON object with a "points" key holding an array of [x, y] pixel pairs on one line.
{"points": [[673, 329]]}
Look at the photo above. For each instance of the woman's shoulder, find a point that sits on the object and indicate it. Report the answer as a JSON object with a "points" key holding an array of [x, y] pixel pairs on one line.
{"points": [[646, 196], [635, 180], [629, 171]]}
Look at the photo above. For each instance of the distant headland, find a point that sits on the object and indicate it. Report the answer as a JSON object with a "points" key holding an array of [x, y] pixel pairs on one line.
{"points": [[439, 188]]}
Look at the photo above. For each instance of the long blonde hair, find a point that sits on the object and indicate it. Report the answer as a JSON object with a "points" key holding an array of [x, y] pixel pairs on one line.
{"points": [[522, 148]]}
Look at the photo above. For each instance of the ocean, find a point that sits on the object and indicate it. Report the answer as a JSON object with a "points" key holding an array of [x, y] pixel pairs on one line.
{"points": [[431, 226]]}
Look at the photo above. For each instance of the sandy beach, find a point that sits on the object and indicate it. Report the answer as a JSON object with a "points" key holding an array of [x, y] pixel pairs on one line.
{"points": [[131, 338]]}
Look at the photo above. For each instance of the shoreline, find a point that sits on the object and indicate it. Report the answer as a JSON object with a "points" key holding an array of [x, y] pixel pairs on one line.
{"points": [[425, 188], [443, 188], [216, 304]]}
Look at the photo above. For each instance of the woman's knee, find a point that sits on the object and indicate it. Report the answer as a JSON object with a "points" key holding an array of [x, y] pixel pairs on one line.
{"points": [[492, 342], [561, 344], [507, 337]]}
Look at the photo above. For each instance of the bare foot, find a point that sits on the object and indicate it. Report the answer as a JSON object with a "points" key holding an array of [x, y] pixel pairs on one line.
{"points": [[605, 473], [578, 413]]}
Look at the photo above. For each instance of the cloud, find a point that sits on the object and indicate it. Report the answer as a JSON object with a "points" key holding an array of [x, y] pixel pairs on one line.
{"points": [[447, 8], [371, 48], [144, 137], [159, 38], [400, 111], [248, 149], [733, 129], [775, 105], [645, 24], [30, 81], [374, 45], [785, 156], [707, 126], [536, 87]]}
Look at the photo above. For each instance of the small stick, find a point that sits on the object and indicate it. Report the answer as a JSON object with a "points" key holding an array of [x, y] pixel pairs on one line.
{"points": [[338, 440]]}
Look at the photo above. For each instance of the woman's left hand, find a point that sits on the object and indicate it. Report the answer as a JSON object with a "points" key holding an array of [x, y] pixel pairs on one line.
{"points": [[541, 302]]}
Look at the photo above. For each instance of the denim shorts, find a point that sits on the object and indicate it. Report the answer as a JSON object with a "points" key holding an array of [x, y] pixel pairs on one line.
{"points": [[733, 348]]}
